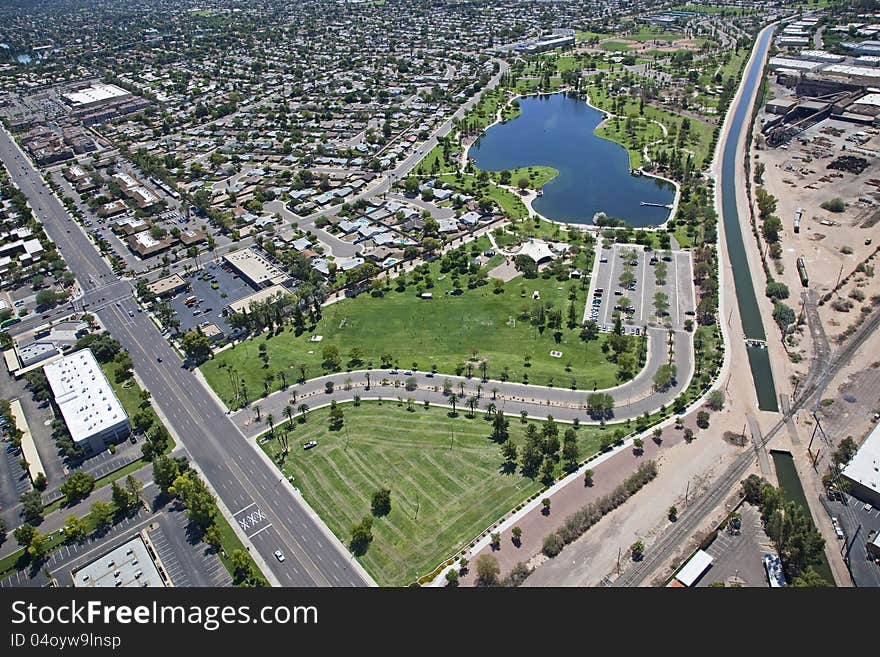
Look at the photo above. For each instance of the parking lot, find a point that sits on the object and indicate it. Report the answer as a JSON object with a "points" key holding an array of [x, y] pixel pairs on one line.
{"points": [[627, 280], [857, 523], [210, 299], [187, 561]]}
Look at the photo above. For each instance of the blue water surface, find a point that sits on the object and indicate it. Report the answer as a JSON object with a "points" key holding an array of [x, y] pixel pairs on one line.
{"points": [[556, 130]]}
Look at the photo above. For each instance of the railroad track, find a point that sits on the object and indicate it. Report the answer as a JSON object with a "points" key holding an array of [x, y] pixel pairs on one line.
{"points": [[688, 521]]}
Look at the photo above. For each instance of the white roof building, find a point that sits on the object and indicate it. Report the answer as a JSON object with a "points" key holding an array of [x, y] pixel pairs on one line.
{"points": [[537, 250], [91, 410], [863, 471], [694, 568]]}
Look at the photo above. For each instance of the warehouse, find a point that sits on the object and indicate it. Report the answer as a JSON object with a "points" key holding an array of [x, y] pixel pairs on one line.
{"points": [[863, 471], [92, 412], [94, 95]]}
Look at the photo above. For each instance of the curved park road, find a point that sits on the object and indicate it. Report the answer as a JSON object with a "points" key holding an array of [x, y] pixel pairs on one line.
{"points": [[632, 399]]}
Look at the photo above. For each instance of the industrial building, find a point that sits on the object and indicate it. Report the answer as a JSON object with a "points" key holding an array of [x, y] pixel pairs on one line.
{"points": [[129, 565], [92, 412], [863, 471]]}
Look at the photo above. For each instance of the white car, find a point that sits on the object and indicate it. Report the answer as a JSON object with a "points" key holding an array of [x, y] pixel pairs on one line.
{"points": [[310, 444], [279, 555]]}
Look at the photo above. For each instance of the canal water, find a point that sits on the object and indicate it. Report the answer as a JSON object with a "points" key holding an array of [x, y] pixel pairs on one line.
{"points": [[790, 483], [759, 359], [556, 130]]}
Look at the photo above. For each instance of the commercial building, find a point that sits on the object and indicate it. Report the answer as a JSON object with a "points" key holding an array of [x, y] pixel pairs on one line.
{"points": [[863, 471], [168, 286], [94, 95], [694, 568], [92, 412], [130, 565], [244, 303], [255, 269]]}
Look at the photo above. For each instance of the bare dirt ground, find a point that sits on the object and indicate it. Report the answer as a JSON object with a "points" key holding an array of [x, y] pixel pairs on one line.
{"points": [[799, 178]]}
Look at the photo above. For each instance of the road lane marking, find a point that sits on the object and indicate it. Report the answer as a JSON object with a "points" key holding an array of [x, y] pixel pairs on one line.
{"points": [[260, 530], [245, 508]]}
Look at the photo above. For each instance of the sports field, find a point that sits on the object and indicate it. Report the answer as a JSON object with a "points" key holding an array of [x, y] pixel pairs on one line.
{"points": [[443, 332], [445, 475]]}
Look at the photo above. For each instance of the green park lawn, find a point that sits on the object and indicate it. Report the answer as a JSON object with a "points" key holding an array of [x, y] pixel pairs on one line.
{"points": [[506, 200], [434, 162], [616, 46], [445, 475], [443, 332], [537, 176]]}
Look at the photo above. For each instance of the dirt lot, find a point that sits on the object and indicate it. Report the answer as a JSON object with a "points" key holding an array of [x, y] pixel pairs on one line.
{"points": [[833, 244]]}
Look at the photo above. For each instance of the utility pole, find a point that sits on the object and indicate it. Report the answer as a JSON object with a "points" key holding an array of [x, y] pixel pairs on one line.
{"points": [[618, 561], [686, 491]]}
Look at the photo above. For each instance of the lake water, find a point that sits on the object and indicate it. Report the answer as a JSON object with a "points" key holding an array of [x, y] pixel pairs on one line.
{"points": [[557, 130]]}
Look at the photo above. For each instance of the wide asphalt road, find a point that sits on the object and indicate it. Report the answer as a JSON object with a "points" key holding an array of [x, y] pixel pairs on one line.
{"points": [[265, 506]]}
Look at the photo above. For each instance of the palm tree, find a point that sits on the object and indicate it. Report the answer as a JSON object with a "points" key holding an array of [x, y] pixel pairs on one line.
{"points": [[494, 393], [479, 390], [453, 398], [472, 404], [283, 376], [302, 372], [491, 409], [257, 411], [270, 420], [303, 409], [288, 413], [461, 387], [367, 376]]}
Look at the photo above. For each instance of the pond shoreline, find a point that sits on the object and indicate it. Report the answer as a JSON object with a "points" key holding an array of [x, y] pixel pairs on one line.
{"points": [[531, 194]]}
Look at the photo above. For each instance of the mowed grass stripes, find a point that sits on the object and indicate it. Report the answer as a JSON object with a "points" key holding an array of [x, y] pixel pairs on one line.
{"points": [[445, 476]]}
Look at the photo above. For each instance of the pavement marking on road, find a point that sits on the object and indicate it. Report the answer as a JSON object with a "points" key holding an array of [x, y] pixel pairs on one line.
{"points": [[252, 519], [267, 527], [245, 508]]}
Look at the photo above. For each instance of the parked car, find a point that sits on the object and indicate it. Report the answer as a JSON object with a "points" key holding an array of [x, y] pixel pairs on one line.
{"points": [[310, 444]]}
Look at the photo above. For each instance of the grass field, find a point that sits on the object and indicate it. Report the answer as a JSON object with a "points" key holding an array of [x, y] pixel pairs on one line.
{"points": [[537, 175], [434, 163], [443, 332], [507, 201], [445, 476], [616, 46]]}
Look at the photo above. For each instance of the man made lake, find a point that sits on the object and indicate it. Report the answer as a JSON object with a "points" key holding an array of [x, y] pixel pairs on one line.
{"points": [[557, 130]]}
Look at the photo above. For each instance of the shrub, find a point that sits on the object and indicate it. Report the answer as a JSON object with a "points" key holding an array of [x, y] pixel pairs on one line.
{"points": [[834, 205]]}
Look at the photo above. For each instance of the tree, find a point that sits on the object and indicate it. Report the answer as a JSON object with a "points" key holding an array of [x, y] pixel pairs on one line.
{"points": [[672, 513], [665, 376], [545, 504], [165, 471], [24, 534], [777, 290], [715, 400], [588, 477], [213, 537], [32, 504], [101, 514], [38, 547], [703, 420], [77, 486], [810, 578], [452, 577], [336, 417], [361, 536], [516, 535], [196, 345], [121, 497], [500, 431], [508, 451], [637, 550], [381, 503], [75, 529], [487, 570], [201, 507]]}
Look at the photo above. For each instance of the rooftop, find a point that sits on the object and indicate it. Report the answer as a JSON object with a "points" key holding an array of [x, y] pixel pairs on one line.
{"points": [[129, 565], [864, 467], [83, 394]]}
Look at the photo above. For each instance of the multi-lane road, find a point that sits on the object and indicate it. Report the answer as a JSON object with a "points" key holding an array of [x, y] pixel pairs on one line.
{"points": [[264, 505]]}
